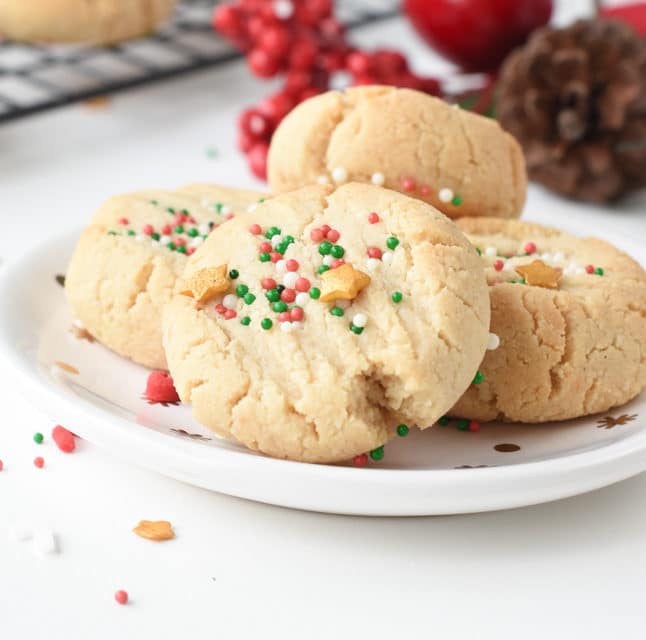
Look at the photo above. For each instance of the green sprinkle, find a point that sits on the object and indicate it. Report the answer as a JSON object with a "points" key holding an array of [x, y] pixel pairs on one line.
{"points": [[264, 257], [280, 288], [170, 210], [179, 229], [337, 311], [323, 268], [282, 247], [521, 281], [185, 212], [392, 242], [598, 271], [337, 251], [397, 297], [377, 454], [112, 233], [154, 202], [218, 207], [242, 290], [181, 249], [279, 306], [233, 274], [478, 378], [325, 248], [457, 201], [266, 324], [211, 153], [402, 430], [289, 239], [261, 200], [192, 233], [131, 232], [315, 293], [249, 298], [443, 421], [273, 295], [246, 321], [155, 236], [479, 251], [271, 232], [463, 424], [171, 246], [38, 437], [355, 329], [512, 282]]}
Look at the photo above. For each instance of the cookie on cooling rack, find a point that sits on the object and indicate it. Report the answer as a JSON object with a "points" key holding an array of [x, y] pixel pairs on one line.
{"points": [[568, 323], [127, 261], [461, 163], [313, 327]]}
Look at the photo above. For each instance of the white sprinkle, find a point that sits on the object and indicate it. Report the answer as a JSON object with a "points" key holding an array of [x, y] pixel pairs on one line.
{"points": [[276, 240], [205, 203], [373, 264], [78, 324], [289, 279], [387, 257], [285, 326], [19, 533], [547, 257], [140, 237], [569, 270], [225, 210], [165, 240], [445, 195], [302, 299], [252, 207], [508, 266], [328, 260], [204, 228], [155, 244], [323, 180], [580, 271], [559, 257], [360, 320], [339, 174], [230, 301], [343, 304], [195, 242], [378, 178], [297, 325], [492, 252], [494, 342], [283, 9], [44, 542], [281, 266]]}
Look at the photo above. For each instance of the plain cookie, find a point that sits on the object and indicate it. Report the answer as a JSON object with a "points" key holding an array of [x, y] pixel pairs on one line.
{"points": [[127, 261], [461, 163], [575, 349], [310, 329]]}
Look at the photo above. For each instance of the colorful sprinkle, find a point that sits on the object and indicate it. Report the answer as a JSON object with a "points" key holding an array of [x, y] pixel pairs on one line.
{"points": [[462, 424], [403, 430], [408, 184], [377, 454], [315, 293], [598, 271], [245, 321], [234, 274], [361, 460], [397, 297], [498, 265], [38, 438], [337, 311], [266, 324], [478, 378], [443, 421], [64, 439], [529, 248], [378, 179], [445, 195], [39, 462], [392, 242], [373, 218], [456, 201], [374, 252], [339, 174], [121, 596]]}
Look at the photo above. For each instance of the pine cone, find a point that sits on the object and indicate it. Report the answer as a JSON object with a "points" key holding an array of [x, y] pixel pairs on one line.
{"points": [[576, 100]]}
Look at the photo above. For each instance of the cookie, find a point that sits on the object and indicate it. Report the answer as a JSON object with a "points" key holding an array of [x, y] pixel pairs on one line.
{"points": [[315, 326], [127, 261], [568, 323], [461, 163], [102, 22]]}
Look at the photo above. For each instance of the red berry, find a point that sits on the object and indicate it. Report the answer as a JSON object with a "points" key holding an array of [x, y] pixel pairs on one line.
{"points": [[316, 235], [302, 55], [275, 256], [226, 19], [63, 438], [268, 283], [297, 81], [265, 247], [148, 229], [255, 228], [373, 218], [277, 106], [360, 460], [474, 425], [254, 123], [364, 79], [292, 265], [358, 63], [245, 141], [229, 314], [288, 295], [160, 388], [296, 314], [530, 247], [121, 596], [302, 284], [39, 462], [308, 93], [498, 265], [262, 64], [374, 252], [312, 11], [589, 268], [387, 62], [255, 26], [333, 235], [257, 159], [275, 41]]}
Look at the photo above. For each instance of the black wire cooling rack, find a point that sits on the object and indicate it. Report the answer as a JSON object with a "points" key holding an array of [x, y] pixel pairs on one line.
{"points": [[35, 78]]}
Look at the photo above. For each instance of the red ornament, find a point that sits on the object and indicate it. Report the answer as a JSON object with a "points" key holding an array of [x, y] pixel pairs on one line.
{"points": [[634, 14], [257, 159], [160, 388], [477, 34]]}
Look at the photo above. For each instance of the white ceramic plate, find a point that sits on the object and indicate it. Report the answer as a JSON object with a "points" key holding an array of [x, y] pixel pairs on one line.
{"points": [[438, 471]]}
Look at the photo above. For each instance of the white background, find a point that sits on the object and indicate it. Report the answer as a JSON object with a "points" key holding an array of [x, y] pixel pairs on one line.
{"points": [[570, 569]]}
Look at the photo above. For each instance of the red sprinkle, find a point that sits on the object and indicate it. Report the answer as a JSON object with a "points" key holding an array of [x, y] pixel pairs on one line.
{"points": [[121, 596], [167, 229], [148, 229], [530, 247], [39, 462], [302, 284], [181, 218], [425, 190], [325, 229], [316, 235], [498, 265], [268, 283], [256, 229], [160, 388], [337, 263], [374, 252], [180, 242], [275, 256], [296, 314], [283, 316], [220, 308], [589, 268], [123, 221], [229, 314], [229, 216], [474, 425], [291, 265], [265, 247], [373, 218], [1, 465], [190, 251], [288, 295], [192, 220], [408, 184], [63, 438], [333, 235], [360, 460]]}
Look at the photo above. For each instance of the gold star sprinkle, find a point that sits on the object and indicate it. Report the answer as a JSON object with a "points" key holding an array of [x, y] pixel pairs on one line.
{"points": [[539, 274], [343, 283], [207, 283], [155, 530]]}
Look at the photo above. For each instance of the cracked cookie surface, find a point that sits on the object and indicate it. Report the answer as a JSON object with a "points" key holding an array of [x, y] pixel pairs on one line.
{"points": [[573, 350], [127, 261], [461, 163], [272, 365]]}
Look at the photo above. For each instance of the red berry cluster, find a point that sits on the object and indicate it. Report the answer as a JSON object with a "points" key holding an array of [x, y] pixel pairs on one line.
{"points": [[303, 40]]}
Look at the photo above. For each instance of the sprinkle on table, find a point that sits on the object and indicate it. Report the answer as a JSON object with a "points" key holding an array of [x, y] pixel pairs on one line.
{"points": [[38, 438], [121, 596], [377, 454], [403, 430]]}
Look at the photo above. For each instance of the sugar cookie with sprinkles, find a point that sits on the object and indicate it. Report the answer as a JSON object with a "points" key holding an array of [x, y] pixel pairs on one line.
{"points": [[568, 325], [461, 163], [305, 354], [127, 261]]}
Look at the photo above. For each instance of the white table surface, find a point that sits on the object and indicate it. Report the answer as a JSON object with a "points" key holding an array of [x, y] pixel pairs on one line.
{"points": [[574, 568]]}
